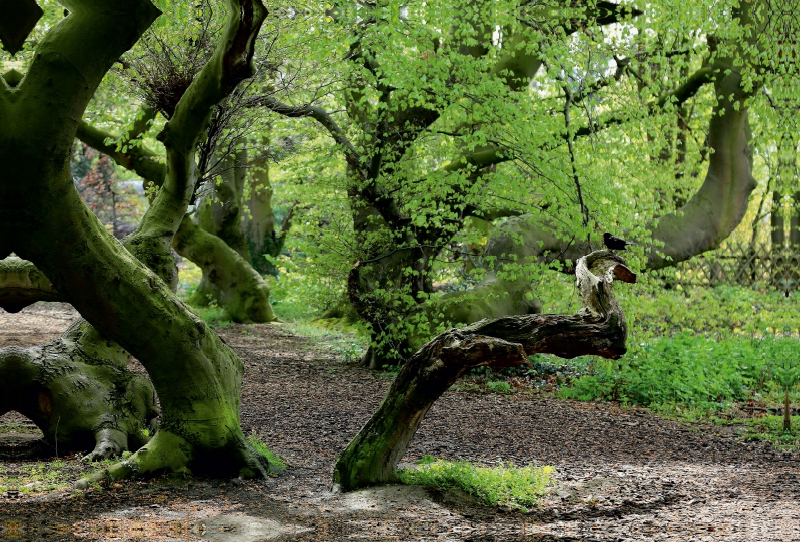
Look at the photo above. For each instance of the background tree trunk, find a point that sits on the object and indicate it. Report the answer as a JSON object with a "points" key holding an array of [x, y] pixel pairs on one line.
{"points": [[227, 278]]}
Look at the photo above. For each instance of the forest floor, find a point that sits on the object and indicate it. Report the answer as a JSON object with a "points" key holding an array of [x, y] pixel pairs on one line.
{"points": [[621, 474]]}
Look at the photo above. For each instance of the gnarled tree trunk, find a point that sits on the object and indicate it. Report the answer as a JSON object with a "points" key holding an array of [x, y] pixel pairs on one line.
{"points": [[42, 219], [597, 329]]}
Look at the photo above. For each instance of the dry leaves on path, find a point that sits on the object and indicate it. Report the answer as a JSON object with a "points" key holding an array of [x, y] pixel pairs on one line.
{"points": [[621, 474]]}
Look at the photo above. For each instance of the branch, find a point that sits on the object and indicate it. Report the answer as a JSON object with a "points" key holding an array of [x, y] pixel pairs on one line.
{"points": [[599, 328], [22, 284], [678, 96], [141, 160], [352, 156]]}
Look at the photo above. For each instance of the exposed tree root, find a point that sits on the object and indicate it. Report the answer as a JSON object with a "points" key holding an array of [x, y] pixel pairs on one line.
{"points": [[79, 392]]}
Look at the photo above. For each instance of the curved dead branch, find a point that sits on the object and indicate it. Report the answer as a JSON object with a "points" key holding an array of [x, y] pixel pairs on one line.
{"points": [[599, 329]]}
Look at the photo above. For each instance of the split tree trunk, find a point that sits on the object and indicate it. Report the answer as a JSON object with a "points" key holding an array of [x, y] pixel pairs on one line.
{"points": [[42, 219], [597, 329], [143, 162]]}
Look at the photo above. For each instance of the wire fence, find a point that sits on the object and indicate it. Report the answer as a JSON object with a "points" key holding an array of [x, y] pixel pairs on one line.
{"points": [[757, 266]]}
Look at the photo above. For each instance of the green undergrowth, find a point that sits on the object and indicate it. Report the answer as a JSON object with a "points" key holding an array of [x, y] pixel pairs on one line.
{"points": [[704, 373], [214, 315], [700, 354], [520, 488], [48, 475], [276, 463], [770, 428], [36, 477]]}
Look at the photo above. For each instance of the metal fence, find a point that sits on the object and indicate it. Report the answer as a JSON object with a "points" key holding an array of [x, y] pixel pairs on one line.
{"points": [[757, 266]]}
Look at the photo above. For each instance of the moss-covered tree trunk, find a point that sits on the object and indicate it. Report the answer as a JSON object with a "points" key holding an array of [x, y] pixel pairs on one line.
{"points": [[227, 277], [220, 211], [42, 219], [263, 237], [21, 284], [597, 329], [79, 392]]}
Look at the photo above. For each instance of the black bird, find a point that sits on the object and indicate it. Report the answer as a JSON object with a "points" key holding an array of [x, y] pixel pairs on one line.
{"points": [[615, 243]]}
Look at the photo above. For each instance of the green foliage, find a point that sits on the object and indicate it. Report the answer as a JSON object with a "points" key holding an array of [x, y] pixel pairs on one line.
{"points": [[505, 485], [686, 370], [770, 429], [498, 386], [214, 315], [276, 464], [38, 476], [347, 345], [189, 276], [390, 371]]}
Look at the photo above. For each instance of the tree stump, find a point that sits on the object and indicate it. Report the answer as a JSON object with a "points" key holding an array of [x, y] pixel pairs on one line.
{"points": [[598, 329]]}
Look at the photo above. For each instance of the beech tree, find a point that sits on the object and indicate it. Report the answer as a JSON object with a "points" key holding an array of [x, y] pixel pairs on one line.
{"points": [[123, 293], [451, 113]]}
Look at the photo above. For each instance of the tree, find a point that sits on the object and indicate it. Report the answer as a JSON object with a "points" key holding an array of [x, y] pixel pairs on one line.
{"points": [[123, 292], [498, 112], [160, 75]]}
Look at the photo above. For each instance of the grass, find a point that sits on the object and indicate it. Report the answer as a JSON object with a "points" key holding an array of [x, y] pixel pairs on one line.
{"points": [[276, 464], [53, 475], [35, 477], [698, 372], [214, 315], [519, 488], [347, 345]]}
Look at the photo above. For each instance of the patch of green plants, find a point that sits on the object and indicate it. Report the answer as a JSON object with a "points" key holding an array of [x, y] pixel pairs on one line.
{"points": [[499, 386], [770, 428], [214, 315], [37, 477], [189, 276], [291, 311], [506, 485], [390, 371], [276, 464], [347, 345], [686, 370]]}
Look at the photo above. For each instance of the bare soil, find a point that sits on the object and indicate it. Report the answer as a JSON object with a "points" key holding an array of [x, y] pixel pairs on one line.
{"points": [[620, 474]]}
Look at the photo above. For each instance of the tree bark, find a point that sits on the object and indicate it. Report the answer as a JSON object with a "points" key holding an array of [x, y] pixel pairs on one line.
{"points": [[79, 392], [219, 211], [599, 328], [21, 284], [145, 164]]}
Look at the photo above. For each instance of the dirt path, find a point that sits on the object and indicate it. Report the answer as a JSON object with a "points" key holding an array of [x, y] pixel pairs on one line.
{"points": [[621, 474]]}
